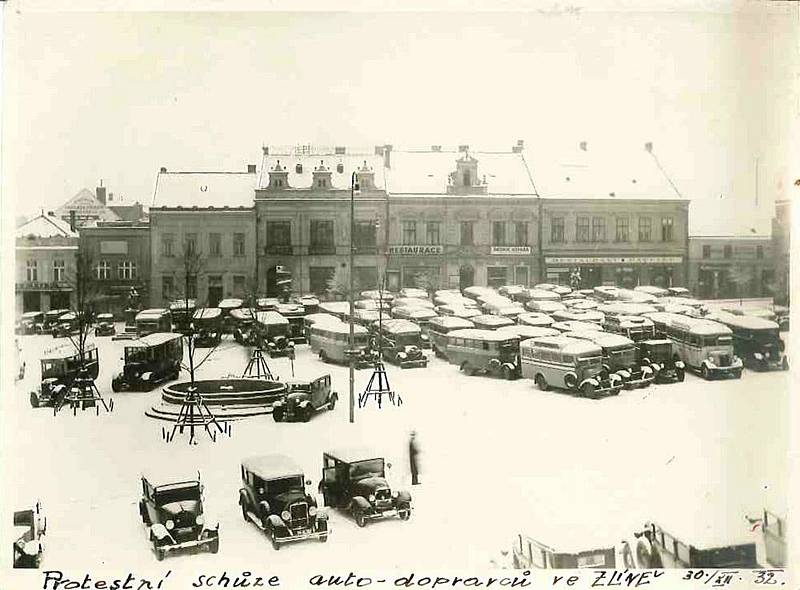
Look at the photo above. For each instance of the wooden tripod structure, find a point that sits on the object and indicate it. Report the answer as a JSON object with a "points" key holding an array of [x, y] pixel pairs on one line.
{"points": [[83, 392], [377, 387], [194, 413]]}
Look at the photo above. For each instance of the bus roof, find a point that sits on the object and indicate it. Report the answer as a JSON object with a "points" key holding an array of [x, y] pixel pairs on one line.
{"points": [[207, 313], [417, 313], [458, 309], [291, 309], [182, 304], [629, 321], [270, 317], [544, 306], [338, 326], [231, 303], [746, 322], [651, 290], [602, 339], [272, 466], [31, 314], [400, 325], [487, 335], [543, 295], [577, 326], [564, 344], [151, 314], [56, 312], [524, 331], [242, 313], [451, 322], [535, 318], [701, 327], [335, 306], [412, 302], [320, 317], [492, 320], [153, 340], [65, 351]]}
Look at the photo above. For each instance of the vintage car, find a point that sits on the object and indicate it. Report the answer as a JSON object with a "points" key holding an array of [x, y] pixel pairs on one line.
{"points": [[309, 302], [29, 528], [274, 498], [244, 331], [295, 314], [67, 325], [773, 528], [227, 306], [679, 292], [540, 306], [182, 311], [50, 319], [355, 481], [60, 367], [105, 325], [414, 302], [267, 303], [659, 356], [29, 322], [619, 358], [413, 292], [400, 342], [207, 324], [150, 321], [149, 361], [440, 326], [756, 341], [303, 399], [457, 310], [275, 333], [172, 510]]}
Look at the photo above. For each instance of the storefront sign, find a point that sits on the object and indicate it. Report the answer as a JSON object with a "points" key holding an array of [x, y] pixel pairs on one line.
{"points": [[615, 260], [416, 250], [512, 250]]}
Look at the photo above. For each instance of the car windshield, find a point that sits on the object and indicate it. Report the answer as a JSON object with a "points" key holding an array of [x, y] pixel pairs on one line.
{"points": [[364, 469], [135, 354], [177, 493], [294, 483], [659, 352], [407, 339], [766, 336], [50, 368], [590, 362], [624, 355]]}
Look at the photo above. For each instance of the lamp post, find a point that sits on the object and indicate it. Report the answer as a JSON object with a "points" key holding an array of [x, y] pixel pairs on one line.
{"points": [[353, 189]]}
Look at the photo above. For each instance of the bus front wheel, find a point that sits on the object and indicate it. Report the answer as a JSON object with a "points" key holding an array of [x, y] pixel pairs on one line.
{"points": [[587, 390], [704, 373], [541, 382]]}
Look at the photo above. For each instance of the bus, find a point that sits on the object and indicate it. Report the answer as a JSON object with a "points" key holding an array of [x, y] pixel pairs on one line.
{"points": [[151, 321], [475, 291], [703, 345], [534, 318], [755, 340], [632, 296], [331, 341], [458, 311], [267, 303], [182, 311], [606, 293], [207, 325], [413, 292], [294, 312], [560, 290], [412, 302], [544, 306], [491, 322], [576, 326], [580, 303], [400, 343], [512, 291], [631, 326], [371, 304], [228, 305], [611, 309], [367, 317], [619, 357], [313, 318], [455, 301], [698, 305], [692, 312], [377, 295], [524, 332], [579, 315], [335, 308], [503, 309], [439, 327], [567, 363], [491, 352]]}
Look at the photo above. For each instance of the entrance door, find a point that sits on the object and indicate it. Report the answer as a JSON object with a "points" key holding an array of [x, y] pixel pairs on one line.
{"points": [[466, 277], [591, 276], [393, 280], [214, 291], [521, 276], [31, 301]]}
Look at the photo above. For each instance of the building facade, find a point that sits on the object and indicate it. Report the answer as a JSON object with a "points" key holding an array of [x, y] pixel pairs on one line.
{"points": [[726, 267], [202, 236], [46, 249], [119, 252], [781, 249]]}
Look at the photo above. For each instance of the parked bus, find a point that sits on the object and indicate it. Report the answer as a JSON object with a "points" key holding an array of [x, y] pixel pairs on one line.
{"points": [[755, 340], [698, 305], [534, 318], [151, 321], [704, 345], [578, 315], [384, 296], [756, 312], [371, 304], [413, 292], [620, 358], [536, 294], [458, 311], [692, 312], [567, 363], [335, 308], [606, 293], [511, 291], [439, 327], [492, 352], [576, 326], [331, 341], [619, 308], [400, 342], [182, 311], [631, 326], [523, 332], [544, 306], [455, 301], [475, 291], [632, 296], [412, 302], [491, 322], [580, 302], [503, 309], [313, 318], [367, 317], [227, 305]]}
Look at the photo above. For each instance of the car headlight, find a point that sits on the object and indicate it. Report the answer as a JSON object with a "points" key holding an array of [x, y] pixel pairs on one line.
{"points": [[170, 525], [711, 361], [312, 511], [395, 494], [423, 337], [372, 497], [199, 519], [401, 355], [285, 515], [758, 356], [680, 364]]}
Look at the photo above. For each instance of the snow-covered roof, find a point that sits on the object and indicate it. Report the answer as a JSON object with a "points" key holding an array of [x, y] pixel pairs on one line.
{"points": [[577, 326], [426, 172], [564, 344], [526, 331], [204, 189], [300, 167], [151, 314], [604, 339], [492, 320], [400, 326], [153, 340], [451, 322], [270, 317], [272, 466], [45, 226], [478, 334], [747, 322], [86, 206]]}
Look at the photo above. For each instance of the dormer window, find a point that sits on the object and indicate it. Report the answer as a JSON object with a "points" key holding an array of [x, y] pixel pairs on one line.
{"points": [[465, 179], [322, 177], [340, 168], [365, 176]]}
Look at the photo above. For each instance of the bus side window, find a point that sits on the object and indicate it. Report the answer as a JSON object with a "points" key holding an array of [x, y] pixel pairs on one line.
{"points": [[485, 345]]}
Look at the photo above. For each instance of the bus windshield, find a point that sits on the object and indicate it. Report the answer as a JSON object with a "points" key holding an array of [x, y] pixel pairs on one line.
{"points": [[625, 355], [406, 339], [766, 336], [717, 340]]}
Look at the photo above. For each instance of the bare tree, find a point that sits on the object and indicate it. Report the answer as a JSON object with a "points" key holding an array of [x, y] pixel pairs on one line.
{"points": [[742, 277], [85, 287], [338, 286]]}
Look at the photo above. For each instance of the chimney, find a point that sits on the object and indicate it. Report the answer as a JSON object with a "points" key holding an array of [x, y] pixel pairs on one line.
{"points": [[51, 214], [265, 150], [519, 147], [463, 148], [387, 152], [100, 191], [251, 168], [163, 170], [648, 147], [339, 150], [436, 148], [583, 146], [72, 224]]}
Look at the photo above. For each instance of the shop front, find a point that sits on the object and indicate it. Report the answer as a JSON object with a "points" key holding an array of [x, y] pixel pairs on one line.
{"points": [[415, 266], [509, 265], [622, 271]]}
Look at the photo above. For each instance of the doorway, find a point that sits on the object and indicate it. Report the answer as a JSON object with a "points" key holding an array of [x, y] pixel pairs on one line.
{"points": [[214, 291], [466, 276]]}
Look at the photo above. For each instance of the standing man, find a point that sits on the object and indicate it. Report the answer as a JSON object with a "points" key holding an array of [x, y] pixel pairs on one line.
{"points": [[413, 456]]}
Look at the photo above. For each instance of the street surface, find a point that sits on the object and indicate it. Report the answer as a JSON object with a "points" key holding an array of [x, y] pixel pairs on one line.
{"points": [[498, 457]]}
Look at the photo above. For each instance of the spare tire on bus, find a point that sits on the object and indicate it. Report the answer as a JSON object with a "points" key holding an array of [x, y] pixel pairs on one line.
{"points": [[571, 380]]}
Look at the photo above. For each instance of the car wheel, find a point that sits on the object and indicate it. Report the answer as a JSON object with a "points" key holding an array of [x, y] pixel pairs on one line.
{"points": [[244, 511], [587, 390], [34, 400], [277, 415], [404, 513], [737, 374], [361, 520], [323, 356], [541, 382], [508, 374], [704, 372], [213, 546], [273, 537], [158, 551], [680, 374], [332, 403], [323, 538], [307, 413]]}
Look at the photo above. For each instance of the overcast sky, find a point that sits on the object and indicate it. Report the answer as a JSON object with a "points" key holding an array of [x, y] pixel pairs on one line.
{"points": [[115, 96]]}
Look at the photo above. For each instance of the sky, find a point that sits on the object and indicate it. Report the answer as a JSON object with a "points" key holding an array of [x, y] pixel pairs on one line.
{"points": [[115, 96]]}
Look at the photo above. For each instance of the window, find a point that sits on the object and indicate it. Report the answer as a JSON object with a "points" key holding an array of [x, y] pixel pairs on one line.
{"points": [[322, 236], [520, 233], [706, 251], [623, 229], [497, 276], [432, 232], [759, 252], [666, 229], [298, 168], [238, 244], [467, 233], [645, 229], [32, 271], [582, 229], [191, 287], [238, 285], [409, 232], [58, 271], [339, 168], [322, 183], [167, 287], [365, 236], [279, 234], [214, 244], [557, 229], [598, 229], [467, 179], [103, 270], [499, 233], [319, 277], [728, 251], [126, 270], [191, 244], [168, 245]]}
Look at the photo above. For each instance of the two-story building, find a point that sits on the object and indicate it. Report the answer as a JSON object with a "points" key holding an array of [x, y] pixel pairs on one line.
{"points": [[731, 266], [119, 252], [46, 249], [202, 235], [614, 216]]}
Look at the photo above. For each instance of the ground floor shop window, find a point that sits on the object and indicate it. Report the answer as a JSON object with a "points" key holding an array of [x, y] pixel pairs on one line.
{"points": [[393, 280], [661, 276], [466, 276], [558, 276], [31, 301], [626, 277], [497, 276], [421, 277], [521, 276], [590, 276], [60, 300], [319, 279], [366, 278]]}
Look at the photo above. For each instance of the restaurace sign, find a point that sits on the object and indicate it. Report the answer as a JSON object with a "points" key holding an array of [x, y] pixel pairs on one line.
{"points": [[416, 250]]}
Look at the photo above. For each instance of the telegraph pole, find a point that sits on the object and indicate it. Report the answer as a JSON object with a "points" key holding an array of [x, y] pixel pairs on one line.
{"points": [[353, 188]]}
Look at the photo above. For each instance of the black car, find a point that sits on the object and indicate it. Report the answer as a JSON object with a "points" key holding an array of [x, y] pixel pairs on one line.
{"points": [[274, 497], [149, 361], [172, 511], [60, 367], [29, 528], [659, 356], [355, 481], [275, 333], [305, 398], [182, 311], [244, 327], [756, 341], [207, 323], [105, 325], [67, 326]]}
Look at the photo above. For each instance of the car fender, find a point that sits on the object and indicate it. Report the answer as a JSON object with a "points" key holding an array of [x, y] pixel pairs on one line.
{"points": [[590, 380], [263, 507], [624, 373], [509, 366], [146, 376], [275, 522], [159, 531], [244, 500], [403, 496], [279, 404], [647, 370], [360, 503], [304, 404]]}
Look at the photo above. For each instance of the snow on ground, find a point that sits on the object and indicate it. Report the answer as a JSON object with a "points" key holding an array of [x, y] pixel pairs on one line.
{"points": [[498, 458]]}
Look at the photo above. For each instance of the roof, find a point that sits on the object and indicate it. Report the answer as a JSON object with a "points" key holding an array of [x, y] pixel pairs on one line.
{"points": [[747, 322], [86, 206], [400, 325], [566, 344], [495, 320], [543, 295], [339, 326], [272, 466], [230, 303], [452, 322], [599, 173], [633, 320], [104, 315], [626, 308], [652, 290], [31, 314], [270, 317], [65, 350], [45, 226], [698, 326], [335, 306], [204, 189], [353, 454], [535, 318], [325, 158], [182, 304], [412, 302], [151, 314], [478, 334], [205, 313], [604, 339], [242, 313], [421, 313], [524, 331], [162, 476], [580, 314], [577, 326], [426, 172], [153, 339], [545, 306]]}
